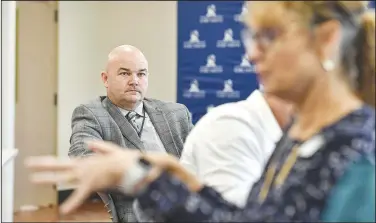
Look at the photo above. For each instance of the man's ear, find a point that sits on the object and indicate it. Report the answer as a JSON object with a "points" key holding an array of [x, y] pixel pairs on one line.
{"points": [[328, 38], [104, 76]]}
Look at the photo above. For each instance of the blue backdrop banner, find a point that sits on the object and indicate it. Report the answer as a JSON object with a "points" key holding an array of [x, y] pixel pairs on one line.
{"points": [[371, 5], [212, 66]]}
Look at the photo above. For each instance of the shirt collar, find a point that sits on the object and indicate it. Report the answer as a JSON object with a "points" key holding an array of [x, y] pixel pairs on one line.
{"points": [[268, 121], [139, 110]]}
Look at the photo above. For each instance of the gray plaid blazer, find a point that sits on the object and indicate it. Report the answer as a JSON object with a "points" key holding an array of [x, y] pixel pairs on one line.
{"points": [[101, 119]]}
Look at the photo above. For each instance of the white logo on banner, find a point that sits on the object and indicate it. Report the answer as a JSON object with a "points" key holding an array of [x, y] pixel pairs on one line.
{"points": [[228, 91], [194, 90], [245, 66], [209, 107], [194, 41], [211, 66], [240, 17], [228, 40], [211, 15]]}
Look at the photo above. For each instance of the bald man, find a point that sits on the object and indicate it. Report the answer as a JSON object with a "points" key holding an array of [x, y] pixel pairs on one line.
{"points": [[126, 118]]}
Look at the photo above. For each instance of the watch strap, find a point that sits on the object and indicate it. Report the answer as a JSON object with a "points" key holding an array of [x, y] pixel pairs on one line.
{"points": [[134, 175]]}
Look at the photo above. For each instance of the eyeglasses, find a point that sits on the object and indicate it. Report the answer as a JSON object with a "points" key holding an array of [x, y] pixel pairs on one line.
{"points": [[263, 38]]}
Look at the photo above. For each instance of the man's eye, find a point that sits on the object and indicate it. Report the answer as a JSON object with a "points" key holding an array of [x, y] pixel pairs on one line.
{"points": [[141, 74]]}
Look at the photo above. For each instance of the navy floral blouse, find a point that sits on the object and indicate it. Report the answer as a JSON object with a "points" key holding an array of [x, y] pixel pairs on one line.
{"points": [[331, 178]]}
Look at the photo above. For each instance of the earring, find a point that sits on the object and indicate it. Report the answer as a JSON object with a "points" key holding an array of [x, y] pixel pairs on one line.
{"points": [[261, 88], [328, 65]]}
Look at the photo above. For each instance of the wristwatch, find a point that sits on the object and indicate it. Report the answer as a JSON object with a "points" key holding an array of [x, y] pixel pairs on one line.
{"points": [[134, 175]]}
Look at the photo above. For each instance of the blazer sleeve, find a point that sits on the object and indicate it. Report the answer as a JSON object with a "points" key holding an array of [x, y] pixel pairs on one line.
{"points": [[85, 126], [353, 198], [190, 123]]}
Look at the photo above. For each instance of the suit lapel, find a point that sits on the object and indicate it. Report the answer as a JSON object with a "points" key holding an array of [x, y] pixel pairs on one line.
{"points": [[160, 124], [125, 127]]}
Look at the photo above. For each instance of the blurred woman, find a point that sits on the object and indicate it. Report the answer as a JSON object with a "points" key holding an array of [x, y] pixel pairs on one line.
{"points": [[320, 56]]}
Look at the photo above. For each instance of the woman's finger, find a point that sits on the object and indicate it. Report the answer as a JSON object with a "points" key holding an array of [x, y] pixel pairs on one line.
{"points": [[53, 178], [48, 163], [77, 198]]}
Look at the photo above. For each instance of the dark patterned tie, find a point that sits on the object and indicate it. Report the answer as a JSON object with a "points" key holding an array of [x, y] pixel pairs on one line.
{"points": [[134, 119]]}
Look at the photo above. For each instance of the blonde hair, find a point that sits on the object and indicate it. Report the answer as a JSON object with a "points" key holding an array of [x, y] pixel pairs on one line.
{"points": [[366, 59], [358, 44], [358, 40]]}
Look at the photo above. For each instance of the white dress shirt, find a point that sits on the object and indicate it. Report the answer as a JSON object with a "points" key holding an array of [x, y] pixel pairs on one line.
{"points": [[229, 147], [149, 136], [152, 143]]}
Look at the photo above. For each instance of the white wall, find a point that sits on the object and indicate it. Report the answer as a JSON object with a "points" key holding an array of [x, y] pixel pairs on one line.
{"points": [[7, 88], [87, 33], [8, 72]]}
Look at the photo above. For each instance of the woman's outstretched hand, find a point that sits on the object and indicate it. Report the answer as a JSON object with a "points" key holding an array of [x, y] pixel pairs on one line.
{"points": [[94, 173], [103, 170]]}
